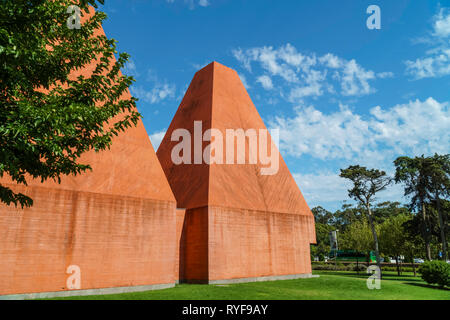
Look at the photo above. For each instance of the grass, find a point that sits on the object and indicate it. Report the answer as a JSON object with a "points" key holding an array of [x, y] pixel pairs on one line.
{"points": [[331, 285]]}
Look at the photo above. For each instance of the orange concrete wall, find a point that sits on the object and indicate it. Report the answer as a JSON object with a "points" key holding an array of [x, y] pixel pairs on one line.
{"points": [[180, 244], [247, 243], [115, 240], [194, 246], [242, 243]]}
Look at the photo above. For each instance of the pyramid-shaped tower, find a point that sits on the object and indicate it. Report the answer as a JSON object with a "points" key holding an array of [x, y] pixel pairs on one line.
{"points": [[116, 223], [239, 223]]}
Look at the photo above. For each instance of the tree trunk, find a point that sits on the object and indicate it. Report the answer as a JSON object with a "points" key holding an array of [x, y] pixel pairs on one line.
{"points": [[442, 227], [426, 232], [375, 237], [357, 265], [398, 268]]}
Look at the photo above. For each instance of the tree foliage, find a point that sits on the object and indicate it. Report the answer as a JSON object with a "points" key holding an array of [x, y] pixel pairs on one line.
{"points": [[427, 182], [357, 237], [366, 184], [48, 116], [322, 215], [322, 246], [386, 210], [347, 215], [393, 239], [412, 173]]}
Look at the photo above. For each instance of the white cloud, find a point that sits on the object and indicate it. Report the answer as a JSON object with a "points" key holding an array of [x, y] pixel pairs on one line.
{"points": [[325, 136], [130, 69], [355, 80], [314, 81], [265, 81], [306, 75], [158, 93], [198, 66], [329, 189], [191, 3], [268, 58], [291, 56], [331, 61], [384, 75], [436, 62], [203, 3], [156, 138], [160, 90], [413, 128], [322, 187], [243, 58], [442, 24], [417, 127], [436, 65]]}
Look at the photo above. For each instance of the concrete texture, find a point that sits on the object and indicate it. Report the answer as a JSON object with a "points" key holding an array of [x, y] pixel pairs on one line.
{"points": [[116, 241], [91, 292], [249, 243], [117, 223], [237, 223]]}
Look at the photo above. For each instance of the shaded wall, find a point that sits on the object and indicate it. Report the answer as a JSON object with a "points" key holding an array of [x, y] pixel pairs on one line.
{"points": [[193, 256], [219, 243]]}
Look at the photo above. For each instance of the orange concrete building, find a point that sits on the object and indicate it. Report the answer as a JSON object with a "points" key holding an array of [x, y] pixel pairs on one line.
{"points": [[236, 224], [119, 227], [117, 224]]}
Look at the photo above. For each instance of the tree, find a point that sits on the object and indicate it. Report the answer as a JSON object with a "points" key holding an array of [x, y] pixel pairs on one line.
{"points": [[393, 238], [413, 245], [427, 181], [347, 215], [412, 173], [366, 184], [357, 237], [48, 116], [385, 210], [322, 215], [323, 220], [322, 246], [438, 170]]}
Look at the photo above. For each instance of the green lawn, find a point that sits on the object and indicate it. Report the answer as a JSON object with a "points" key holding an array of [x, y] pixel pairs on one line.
{"points": [[330, 285]]}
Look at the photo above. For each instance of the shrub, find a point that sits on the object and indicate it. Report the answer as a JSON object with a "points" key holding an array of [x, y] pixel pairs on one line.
{"points": [[361, 267], [339, 266], [322, 266], [351, 267], [402, 269], [435, 272]]}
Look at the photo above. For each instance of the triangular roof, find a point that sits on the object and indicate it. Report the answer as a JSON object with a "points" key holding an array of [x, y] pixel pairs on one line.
{"points": [[129, 168], [217, 97]]}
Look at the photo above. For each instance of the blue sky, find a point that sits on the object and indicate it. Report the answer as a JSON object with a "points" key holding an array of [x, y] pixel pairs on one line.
{"points": [[340, 93]]}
